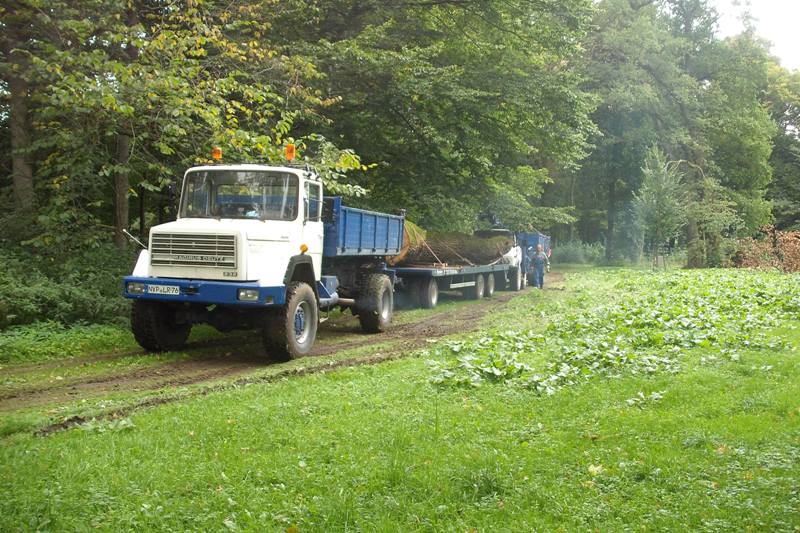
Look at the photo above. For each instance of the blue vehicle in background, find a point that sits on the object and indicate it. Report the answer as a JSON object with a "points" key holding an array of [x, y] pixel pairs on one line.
{"points": [[528, 242]]}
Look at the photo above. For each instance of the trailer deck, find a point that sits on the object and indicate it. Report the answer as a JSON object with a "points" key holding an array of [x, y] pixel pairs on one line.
{"points": [[439, 271], [423, 282]]}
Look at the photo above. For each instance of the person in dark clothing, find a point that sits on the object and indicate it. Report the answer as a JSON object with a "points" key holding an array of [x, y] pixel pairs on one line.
{"points": [[540, 263]]}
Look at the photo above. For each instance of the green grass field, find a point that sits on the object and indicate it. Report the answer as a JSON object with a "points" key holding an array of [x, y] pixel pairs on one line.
{"points": [[623, 401]]}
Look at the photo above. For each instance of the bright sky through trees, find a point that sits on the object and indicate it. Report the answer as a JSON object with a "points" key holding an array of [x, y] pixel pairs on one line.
{"points": [[775, 20]]}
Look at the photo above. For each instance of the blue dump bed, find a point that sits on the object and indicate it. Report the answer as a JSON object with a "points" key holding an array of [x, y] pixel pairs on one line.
{"points": [[350, 231]]}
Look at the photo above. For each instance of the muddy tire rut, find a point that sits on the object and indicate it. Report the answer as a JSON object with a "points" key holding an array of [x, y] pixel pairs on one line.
{"points": [[236, 356]]}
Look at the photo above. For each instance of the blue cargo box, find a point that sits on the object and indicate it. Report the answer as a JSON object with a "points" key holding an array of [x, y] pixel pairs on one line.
{"points": [[528, 243], [530, 240], [350, 231]]}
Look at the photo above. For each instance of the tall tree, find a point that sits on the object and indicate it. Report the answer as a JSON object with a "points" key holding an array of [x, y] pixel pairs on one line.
{"points": [[645, 99], [660, 205], [784, 106], [466, 106], [137, 91], [17, 25]]}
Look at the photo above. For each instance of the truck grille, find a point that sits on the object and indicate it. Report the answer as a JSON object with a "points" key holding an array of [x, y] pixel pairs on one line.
{"points": [[193, 249]]}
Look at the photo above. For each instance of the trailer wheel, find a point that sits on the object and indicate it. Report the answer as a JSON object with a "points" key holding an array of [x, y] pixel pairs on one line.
{"points": [[428, 293], [488, 290], [289, 332], [476, 291], [517, 280], [155, 327], [376, 303]]}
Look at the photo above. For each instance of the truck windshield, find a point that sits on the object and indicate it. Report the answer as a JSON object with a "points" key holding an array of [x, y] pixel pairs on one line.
{"points": [[256, 194]]}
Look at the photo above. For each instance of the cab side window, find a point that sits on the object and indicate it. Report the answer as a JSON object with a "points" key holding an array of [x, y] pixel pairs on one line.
{"points": [[314, 195]]}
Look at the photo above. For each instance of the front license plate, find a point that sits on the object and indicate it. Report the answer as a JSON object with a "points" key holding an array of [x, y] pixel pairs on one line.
{"points": [[164, 289]]}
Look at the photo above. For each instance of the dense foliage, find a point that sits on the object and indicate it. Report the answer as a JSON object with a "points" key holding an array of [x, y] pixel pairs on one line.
{"points": [[466, 113]]}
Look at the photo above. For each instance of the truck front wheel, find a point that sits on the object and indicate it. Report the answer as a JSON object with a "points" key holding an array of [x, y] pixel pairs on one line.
{"points": [[376, 303], [289, 332], [155, 327]]}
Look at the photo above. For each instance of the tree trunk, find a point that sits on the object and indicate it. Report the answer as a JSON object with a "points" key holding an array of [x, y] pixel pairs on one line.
{"points": [[122, 155], [422, 247], [21, 169], [611, 215], [121, 187], [694, 246]]}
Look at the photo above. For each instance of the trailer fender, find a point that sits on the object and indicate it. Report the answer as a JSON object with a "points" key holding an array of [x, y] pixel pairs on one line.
{"points": [[301, 268]]}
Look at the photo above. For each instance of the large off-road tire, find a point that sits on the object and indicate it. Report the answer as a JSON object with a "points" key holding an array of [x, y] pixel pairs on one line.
{"points": [[155, 327], [375, 304], [476, 291], [488, 289], [428, 293], [289, 332]]}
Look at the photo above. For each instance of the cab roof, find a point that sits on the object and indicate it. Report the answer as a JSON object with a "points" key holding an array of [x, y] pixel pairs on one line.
{"points": [[250, 166]]}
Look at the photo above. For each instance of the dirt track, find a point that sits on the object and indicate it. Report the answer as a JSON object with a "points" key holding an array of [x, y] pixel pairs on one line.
{"points": [[235, 357]]}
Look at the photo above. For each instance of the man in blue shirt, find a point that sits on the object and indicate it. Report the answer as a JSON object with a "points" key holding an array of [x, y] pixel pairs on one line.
{"points": [[540, 263]]}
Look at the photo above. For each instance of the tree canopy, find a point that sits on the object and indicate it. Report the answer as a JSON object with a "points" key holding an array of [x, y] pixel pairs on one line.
{"points": [[466, 113]]}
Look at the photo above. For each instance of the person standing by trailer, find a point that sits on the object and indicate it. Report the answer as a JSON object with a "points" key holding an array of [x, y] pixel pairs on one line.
{"points": [[540, 263]]}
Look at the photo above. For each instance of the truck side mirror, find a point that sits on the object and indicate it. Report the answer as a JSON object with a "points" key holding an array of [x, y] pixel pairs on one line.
{"points": [[171, 196], [305, 210]]}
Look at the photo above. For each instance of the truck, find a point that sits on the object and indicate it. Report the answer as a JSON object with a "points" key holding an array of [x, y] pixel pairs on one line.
{"points": [[259, 247]]}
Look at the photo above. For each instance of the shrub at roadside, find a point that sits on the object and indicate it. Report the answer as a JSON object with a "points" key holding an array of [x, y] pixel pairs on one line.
{"points": [[577, 252], [52, 340], [81, 288]]}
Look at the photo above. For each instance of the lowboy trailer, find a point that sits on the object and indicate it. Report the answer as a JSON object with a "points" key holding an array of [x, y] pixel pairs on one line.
{"points": [[422, 283]]}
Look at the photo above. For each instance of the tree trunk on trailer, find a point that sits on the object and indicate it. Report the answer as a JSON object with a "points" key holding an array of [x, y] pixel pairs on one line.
{"points": [[425, 247]]}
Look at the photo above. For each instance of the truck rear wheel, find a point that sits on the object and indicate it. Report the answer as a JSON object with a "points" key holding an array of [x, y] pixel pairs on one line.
{"points": [[428, 293], [376, 303], [290, 332], [476, 291], [155, 327], [488, 290]]}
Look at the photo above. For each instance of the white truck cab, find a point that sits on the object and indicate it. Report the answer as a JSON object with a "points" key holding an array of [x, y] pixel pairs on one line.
{"points": [[239, 223]]}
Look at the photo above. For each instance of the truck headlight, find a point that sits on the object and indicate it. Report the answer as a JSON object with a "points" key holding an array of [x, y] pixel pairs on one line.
{"points": [[134, 287], [247, 295]]}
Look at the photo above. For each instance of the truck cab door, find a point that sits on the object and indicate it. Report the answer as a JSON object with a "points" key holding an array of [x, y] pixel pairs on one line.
{"points": [[313, 229]]}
